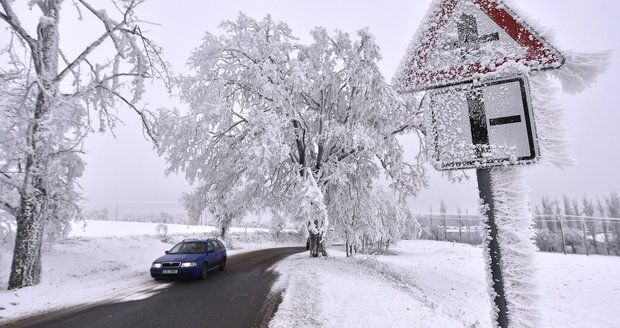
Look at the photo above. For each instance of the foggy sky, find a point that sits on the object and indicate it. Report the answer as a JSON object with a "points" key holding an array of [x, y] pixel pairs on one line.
{"points": [[126, 168]]}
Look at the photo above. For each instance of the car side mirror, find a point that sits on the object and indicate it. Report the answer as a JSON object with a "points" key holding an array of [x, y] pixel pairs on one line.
{"points": [[167, 252]]}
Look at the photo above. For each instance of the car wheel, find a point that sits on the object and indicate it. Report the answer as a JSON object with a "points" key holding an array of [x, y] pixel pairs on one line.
{"points": [[223, 265], [205, 271]]}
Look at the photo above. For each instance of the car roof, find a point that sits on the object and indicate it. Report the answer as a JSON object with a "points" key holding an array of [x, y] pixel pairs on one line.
{"points": [[199, 240]]}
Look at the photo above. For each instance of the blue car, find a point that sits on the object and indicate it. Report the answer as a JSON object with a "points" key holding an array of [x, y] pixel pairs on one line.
{"points": [[190, 259]]}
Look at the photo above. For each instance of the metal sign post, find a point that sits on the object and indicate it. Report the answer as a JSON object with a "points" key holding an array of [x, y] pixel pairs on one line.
{"points": [[497, 279], [474, 58]]}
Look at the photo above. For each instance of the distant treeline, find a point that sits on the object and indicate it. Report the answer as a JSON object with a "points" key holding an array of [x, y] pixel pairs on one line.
{"points": [[583, 225]]}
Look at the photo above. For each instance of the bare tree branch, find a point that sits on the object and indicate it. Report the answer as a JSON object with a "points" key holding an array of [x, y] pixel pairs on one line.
{"points": [[106, 22], [82, 56], [13, 21], [7, 180], [8, 208], [145, 122]]}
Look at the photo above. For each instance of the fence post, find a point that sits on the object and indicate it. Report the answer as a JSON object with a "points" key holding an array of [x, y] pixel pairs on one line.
{"points": [[585, 239], [559, 216]]}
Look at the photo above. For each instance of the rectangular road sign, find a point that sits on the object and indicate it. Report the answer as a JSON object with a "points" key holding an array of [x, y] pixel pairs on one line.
{"points": [[483, 125]]}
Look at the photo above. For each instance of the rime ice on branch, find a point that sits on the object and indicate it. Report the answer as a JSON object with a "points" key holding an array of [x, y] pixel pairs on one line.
{"points": [[272, 120], [50, 98]]}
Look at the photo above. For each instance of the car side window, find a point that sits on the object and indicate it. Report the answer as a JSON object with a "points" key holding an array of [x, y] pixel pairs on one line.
{"points": [[221, 245], [210, 247], [215, 245]]}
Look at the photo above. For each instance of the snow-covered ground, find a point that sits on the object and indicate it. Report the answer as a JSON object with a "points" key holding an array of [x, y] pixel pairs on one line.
{"points": [[437, 284], [109, 260], [95, 228]]}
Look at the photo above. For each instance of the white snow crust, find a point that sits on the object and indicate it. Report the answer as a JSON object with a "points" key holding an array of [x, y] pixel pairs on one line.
{"points": [[438, 284]]}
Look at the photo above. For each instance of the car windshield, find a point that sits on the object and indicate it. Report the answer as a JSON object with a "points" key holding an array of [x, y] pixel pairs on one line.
{"points": [[188, 248]]}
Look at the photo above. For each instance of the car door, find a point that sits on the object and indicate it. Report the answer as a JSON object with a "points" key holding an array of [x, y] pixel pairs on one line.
{"points": [[211, 255], [218, 252], [222, 250]]}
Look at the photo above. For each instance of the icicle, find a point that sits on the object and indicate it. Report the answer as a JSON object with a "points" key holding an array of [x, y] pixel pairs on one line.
{"points": [[514, 223], [581, 70], [554, 144]]}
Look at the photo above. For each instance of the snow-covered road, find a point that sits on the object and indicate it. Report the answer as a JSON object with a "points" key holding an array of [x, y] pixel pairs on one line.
{"points": [[234, 297], [108, 260]]}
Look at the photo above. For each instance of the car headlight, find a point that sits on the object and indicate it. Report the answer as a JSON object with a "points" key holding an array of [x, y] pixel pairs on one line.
{"points": [[156, 265], [188, 264]]}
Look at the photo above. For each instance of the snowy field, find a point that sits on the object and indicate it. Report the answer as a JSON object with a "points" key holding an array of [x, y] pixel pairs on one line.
{"points": [[105, 260], [437, 284]]}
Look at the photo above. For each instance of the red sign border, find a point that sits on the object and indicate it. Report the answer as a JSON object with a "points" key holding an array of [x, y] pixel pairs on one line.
{"points": [[540, 55]]}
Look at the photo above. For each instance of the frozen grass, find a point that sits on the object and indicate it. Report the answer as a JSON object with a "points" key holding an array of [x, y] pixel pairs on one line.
{"points": [[109, 260], [437, 284]]}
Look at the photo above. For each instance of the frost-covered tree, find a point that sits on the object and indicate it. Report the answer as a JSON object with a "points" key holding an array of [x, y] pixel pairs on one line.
{"points": [[277, 224], [443, 209], [51, 98], [588, 210], [601, 210], [613, 210], [286, 121], [366, 215], [226, 200]]}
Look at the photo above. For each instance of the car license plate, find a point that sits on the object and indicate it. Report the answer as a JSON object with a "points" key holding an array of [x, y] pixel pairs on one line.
{"points": [[169, 271]]}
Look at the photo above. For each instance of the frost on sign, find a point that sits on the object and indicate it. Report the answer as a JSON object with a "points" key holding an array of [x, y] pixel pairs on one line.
{"points": [[475, 126], [463, 40]]}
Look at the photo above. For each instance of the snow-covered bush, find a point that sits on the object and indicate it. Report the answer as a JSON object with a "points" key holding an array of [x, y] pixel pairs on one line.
{"points": [[278, 223], [162, 232], [548, 241]]}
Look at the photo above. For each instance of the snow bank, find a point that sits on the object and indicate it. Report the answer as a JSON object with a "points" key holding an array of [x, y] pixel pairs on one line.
{"points": [[437, 284], [81, 270], [340, 292]]}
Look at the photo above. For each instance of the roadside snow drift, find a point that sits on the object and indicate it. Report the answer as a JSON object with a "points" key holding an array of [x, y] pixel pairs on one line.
{"points": [[437, 284]]}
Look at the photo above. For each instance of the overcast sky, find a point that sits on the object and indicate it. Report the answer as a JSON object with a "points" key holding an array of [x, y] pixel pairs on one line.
{"points": [[126, 168]]}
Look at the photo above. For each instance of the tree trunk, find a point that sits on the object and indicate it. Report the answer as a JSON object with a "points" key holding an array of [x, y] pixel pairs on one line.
{"points": [[605, 231], [592, 227], [317, 245], [34, 209], [26, 266], [346, 242]]}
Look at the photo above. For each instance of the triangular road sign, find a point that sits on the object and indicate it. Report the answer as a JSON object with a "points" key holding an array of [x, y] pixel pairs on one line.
{"points": [[461, 40]]}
